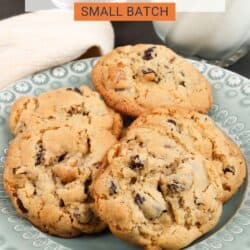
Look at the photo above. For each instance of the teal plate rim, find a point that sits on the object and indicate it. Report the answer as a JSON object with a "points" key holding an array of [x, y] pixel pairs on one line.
{"points": [[230, 111]]}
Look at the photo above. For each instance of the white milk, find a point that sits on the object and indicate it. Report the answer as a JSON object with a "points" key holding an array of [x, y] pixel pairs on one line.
{"points": [[209, 35]]}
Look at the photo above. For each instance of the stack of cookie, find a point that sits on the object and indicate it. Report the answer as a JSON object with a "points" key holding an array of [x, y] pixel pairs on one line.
{"points": [[161, 186]]}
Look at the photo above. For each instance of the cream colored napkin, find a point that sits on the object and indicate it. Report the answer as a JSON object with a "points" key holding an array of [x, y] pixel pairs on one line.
{"points": [[33, 42]]}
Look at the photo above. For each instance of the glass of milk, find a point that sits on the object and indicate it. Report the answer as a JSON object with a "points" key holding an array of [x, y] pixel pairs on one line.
{"points": [[219, 38]]}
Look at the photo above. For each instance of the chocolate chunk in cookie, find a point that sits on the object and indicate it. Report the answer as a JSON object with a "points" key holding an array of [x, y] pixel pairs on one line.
{"points": [[39, 154], [148, 53], [136, 162]]}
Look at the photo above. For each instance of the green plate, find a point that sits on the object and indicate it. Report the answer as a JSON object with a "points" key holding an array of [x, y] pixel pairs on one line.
{"points": [[231, 111]]}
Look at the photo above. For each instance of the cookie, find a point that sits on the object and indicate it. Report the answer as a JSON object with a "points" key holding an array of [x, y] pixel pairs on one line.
{"points": [[82, 105], [48, 176], [199, 131], [153, 192], [135, 79]]}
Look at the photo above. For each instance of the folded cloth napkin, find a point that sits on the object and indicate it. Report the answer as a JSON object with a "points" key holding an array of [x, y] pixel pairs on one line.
{"points": [[36, 41]]}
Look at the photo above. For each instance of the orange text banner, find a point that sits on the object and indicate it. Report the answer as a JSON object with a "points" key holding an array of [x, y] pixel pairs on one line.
{"points": [[125, 11]]}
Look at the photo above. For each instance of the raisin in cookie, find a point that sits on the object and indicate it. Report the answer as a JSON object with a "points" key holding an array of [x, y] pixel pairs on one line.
{"points": [[134, 79], [48, 175], [197, 130], [154, 193], [82, 105]]}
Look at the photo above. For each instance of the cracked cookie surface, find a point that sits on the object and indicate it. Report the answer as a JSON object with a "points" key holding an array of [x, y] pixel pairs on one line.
{"points": [[199, 131], [48, 175], [153, 192], [57, 106], [135, 79]]}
